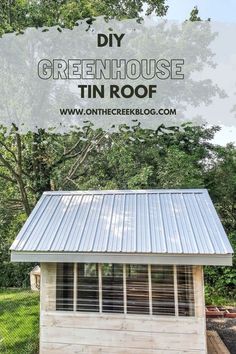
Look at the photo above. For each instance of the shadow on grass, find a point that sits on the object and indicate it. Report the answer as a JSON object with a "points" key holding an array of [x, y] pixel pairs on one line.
{"points": [[19, 322], [28, 346], [11, 301]]}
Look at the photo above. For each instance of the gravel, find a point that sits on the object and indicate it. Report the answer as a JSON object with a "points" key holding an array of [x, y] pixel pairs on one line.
{"points": [[226, 328]]}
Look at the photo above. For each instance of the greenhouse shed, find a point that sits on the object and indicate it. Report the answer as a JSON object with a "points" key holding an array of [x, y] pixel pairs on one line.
{"points": [[35, 278], [121, 271]]}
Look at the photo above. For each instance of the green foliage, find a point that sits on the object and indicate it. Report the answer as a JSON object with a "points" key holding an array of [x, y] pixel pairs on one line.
{"points": [[16, 275], [213, 297], [194, 15], [178, 171], [221, 179], [130, 158], [144, 159], [16, 15], [222, 280]]}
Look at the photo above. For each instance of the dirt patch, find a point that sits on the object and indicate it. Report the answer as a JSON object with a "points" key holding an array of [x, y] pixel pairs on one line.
{"points": [[226, 327]]}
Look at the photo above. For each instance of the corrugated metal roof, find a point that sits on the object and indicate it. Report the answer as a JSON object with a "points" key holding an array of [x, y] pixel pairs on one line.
{"points": [[137, 221]]}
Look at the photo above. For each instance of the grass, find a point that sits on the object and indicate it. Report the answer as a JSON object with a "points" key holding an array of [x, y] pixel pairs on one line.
{"points": [[19, 322]]}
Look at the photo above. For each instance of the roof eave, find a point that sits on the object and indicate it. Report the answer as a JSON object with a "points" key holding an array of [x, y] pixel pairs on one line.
{"points": [[129, 258]]}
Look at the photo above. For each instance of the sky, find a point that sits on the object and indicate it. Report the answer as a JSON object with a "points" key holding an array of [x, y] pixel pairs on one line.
{"points": [[216, 10]]}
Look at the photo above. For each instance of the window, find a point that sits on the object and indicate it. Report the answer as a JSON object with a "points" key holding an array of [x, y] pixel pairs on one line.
{"points": [[185, 291], [87, 288], [65, 286], [164, 290], [112, 288], [137, 288], [163, 297]]}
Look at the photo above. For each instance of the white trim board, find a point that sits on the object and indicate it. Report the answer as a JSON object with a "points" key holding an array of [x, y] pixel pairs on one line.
{"points": [[128, 258], [129, 191]]}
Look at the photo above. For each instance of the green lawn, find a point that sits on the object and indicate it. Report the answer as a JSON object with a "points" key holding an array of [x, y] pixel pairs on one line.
{"points": [[19, 322]]}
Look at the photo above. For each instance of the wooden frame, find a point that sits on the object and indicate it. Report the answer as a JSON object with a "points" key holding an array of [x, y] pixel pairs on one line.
{"points": [[150, 288], [176, 292], [118, 333], [197, 286]]}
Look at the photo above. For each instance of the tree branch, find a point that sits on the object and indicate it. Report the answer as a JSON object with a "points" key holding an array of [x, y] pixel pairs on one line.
{"points": [[9, 150], [81, 158], [9, 179], [8, 166]]}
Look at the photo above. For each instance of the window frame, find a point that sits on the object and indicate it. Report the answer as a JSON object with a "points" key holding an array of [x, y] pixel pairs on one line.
{"points": [[193, 305], [112, 287]]}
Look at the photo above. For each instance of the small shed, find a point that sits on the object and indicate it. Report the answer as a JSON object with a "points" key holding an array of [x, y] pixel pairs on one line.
{"points": [[122, 270], [35, 278]]}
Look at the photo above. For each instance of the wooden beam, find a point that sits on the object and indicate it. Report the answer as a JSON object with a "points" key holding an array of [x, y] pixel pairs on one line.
{"points": [[198, 285], [150, 288], [100, 286], [75, 286], [176, 292], [215, 345], [124, 289]]}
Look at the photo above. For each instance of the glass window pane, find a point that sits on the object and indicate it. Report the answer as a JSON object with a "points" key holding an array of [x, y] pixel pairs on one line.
{"points": [[64, 286], [112, 288], [185, 291], [137, 288], [87, 287], [163, 297]]}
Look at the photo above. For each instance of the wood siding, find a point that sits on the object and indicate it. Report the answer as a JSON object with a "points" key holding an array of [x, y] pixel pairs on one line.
{"points": [[93, 333]]}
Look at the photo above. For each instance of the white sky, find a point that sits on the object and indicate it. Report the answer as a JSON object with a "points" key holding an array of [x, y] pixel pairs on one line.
{"points": [[216, 10]]}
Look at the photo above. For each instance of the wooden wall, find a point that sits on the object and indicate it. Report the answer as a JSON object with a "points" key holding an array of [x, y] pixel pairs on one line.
{"points": [[93, 333]]}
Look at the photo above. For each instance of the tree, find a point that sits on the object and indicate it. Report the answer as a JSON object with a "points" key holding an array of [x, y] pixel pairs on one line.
{"points": [[221, 179], [15, 15], [35, 162], [93, 159]]}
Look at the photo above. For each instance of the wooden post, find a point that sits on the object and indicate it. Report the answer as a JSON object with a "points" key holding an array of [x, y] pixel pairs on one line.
{"points": [[48, 286], [150, 288], [124, 289], [199, 299], [100, 286], [75, 287], [176, 291], [198, 286]]}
